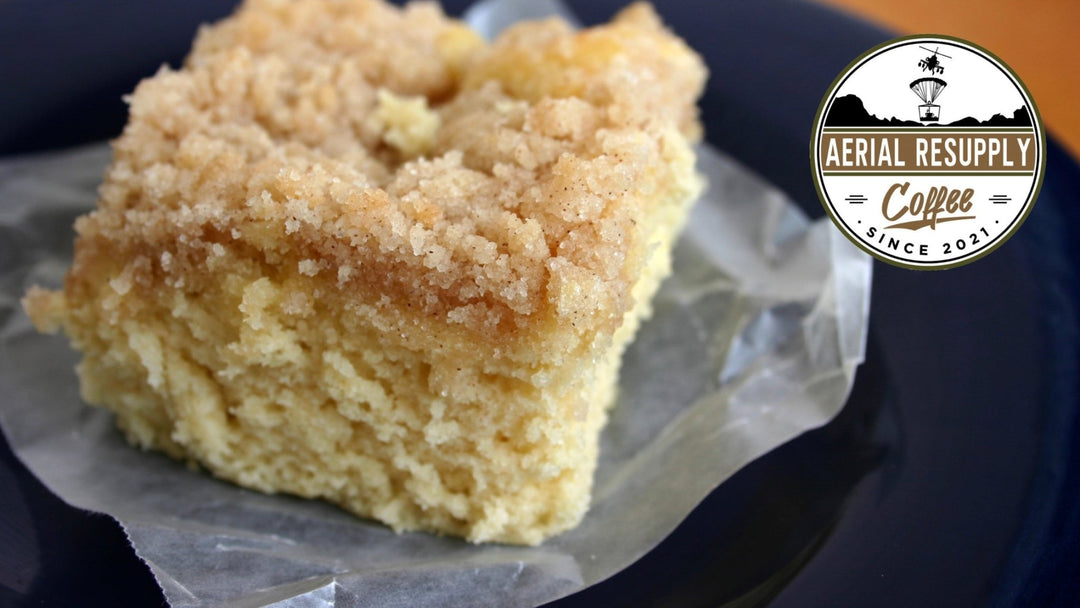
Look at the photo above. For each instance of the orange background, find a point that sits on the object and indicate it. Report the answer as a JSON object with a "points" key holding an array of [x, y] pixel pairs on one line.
{"points": [[1039, 39]]}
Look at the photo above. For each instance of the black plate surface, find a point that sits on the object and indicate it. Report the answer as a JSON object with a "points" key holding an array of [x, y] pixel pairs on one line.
{"points": [[952, 477]]}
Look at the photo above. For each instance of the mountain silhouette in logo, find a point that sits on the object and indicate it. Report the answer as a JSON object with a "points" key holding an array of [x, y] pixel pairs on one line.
{"points": [[849, 111], [1020, 118]]}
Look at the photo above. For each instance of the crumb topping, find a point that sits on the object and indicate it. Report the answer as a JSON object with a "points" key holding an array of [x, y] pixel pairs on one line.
{"points": [[393, 151]]}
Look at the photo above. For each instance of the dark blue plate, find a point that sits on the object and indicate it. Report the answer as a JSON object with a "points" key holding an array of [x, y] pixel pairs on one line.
{"points": [[952, 477]]}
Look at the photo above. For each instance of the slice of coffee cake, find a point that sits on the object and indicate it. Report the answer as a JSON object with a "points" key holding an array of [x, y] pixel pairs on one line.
{"points": [[353, 252]]}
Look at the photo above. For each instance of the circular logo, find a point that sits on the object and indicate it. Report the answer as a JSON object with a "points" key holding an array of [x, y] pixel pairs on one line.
{"points": [[928, 152]]}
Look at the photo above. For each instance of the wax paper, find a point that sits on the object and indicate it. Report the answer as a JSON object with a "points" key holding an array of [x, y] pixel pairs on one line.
{"points": [[754, 340]]}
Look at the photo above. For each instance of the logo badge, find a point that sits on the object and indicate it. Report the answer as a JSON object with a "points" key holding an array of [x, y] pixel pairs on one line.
{"points": [[928, 152]]}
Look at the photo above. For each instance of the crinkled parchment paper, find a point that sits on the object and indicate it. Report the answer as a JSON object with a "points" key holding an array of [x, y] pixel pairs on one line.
{"points": [[755, 340]]}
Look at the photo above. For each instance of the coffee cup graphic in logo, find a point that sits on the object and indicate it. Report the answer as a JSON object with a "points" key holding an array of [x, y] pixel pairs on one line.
{"points": [[928, 152]]}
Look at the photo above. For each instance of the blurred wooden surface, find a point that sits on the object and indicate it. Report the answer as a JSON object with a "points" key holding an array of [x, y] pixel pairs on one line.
{"points": [[1039, 39]]}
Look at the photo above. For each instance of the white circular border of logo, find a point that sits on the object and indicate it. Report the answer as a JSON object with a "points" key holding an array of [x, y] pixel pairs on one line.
{"points": [[882, 206]]}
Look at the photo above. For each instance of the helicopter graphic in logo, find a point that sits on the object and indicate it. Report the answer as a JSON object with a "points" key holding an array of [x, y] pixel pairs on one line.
{"points": [[928, 89], [932, 64]]}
